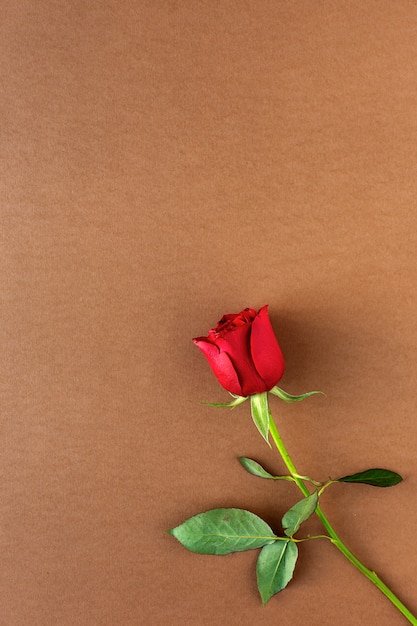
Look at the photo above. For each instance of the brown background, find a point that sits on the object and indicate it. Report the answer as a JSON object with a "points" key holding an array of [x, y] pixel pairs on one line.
{"points": [[163, 163]]}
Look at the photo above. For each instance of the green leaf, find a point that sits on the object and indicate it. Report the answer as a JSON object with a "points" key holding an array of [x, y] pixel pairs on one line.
{"points": [[275, 567], [260, 413], [299, 513], [287, 397], [376, 477], [254, 468], [221, 531]]}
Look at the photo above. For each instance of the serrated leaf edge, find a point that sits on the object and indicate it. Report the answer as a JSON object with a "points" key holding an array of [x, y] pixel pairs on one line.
{"points": [[282, 556]]}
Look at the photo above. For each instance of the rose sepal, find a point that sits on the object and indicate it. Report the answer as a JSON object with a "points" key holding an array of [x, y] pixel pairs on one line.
{"points": [[228, 405], [260, 413], [287, 397]]}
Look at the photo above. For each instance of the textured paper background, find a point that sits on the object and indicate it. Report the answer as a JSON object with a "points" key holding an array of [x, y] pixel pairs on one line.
{"points": [[163, 163]]}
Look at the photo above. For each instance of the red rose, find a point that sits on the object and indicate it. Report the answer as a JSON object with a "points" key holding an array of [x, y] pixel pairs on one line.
{"points": [[243, 352]]}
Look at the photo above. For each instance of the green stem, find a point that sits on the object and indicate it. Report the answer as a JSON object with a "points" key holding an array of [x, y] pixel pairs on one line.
{"points": [[335, 539]]}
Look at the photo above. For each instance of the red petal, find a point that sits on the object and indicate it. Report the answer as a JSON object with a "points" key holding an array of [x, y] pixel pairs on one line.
{"points": [[236, 344], [266, 353], [221, 365]]}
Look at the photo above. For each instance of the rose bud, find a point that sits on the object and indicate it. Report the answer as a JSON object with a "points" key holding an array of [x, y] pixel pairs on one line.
{"points": [[243, 352]]}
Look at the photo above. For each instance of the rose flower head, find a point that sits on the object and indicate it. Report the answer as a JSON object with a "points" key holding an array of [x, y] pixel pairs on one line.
{"points": [[243, 352]]}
